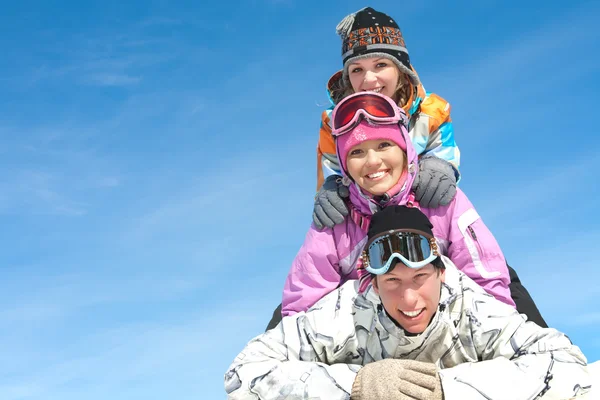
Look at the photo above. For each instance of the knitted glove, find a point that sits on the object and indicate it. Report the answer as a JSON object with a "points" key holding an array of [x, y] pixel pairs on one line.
{"points": [[330, 208], [435, 184], [392, 379]]}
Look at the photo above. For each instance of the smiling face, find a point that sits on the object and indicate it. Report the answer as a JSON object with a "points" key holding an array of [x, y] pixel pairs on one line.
{"points": [[410, 296], [374, 74], [376, 165]]}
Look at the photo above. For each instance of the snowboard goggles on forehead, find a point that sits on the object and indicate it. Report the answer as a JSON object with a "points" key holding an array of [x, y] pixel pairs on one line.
{"points": [[371, 106], [414, 249]]}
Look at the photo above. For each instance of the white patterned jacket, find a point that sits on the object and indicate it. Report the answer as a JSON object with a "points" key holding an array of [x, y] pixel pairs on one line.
{"points": [[483, 348]]}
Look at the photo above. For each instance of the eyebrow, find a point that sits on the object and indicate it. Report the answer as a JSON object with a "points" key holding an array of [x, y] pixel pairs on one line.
{"points": [[374, 61]]}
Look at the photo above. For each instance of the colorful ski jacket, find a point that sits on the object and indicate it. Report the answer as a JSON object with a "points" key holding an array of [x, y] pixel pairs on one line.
{"points": [[430, 130], [328, 258], [483, 348]]}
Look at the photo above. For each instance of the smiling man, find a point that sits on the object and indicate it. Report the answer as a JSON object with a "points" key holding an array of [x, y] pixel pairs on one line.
{"points": [[422, 330]]}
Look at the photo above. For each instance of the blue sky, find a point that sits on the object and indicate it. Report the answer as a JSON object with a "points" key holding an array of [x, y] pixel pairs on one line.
{"points": [[158, 168]]}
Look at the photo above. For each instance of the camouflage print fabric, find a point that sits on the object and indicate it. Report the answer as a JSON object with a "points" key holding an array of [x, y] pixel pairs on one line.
{"points": [[483, 348]]}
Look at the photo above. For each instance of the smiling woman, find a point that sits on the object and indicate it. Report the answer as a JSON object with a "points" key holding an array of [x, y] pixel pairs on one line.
{"points": [[377, 165]]}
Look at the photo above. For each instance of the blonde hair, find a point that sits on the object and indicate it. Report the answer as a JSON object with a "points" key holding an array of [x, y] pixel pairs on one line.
{"points": [[342, 88]]}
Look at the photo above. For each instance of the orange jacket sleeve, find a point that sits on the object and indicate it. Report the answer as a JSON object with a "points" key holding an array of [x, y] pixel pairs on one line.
{"points": [[326, 145]]}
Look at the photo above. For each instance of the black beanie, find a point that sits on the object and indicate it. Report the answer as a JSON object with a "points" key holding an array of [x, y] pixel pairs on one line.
{"points": [[398, 217], [367, 33]]}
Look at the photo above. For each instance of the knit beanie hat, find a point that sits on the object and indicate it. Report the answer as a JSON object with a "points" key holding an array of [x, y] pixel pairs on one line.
{"points": [[370, 33], [399, 217]]}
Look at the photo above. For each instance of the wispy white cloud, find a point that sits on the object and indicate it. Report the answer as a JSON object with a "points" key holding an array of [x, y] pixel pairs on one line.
{"points": [[523, 197], [67, 296], [108, 79], [117, 56], [153, 21], [53, 169], [36, 192], [561, 276], [184, 348]]}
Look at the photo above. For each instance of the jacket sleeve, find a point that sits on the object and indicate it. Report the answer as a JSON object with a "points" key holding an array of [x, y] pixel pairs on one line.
{"points": [[518, 359], [327, 162], [474, 250], [314, 272], [290, 361], [434, 131]]}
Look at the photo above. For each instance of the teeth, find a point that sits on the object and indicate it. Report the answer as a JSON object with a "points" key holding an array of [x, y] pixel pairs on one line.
{"points": [[411, 313], [376, 90], [376, 175]]}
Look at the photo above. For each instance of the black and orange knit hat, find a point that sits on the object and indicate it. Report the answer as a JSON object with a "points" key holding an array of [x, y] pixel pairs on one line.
{"points": [[367, 33]]}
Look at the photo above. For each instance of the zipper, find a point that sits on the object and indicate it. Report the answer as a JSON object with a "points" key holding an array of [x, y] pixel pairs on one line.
{"points": [[478, 246], [472, 232]]}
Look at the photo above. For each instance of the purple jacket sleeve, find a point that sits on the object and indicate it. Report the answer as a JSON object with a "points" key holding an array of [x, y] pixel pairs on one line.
{"points": [[314, 273], [473, 248]]}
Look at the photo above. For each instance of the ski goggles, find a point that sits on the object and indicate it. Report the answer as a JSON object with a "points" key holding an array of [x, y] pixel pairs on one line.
{"points": [[371, 106], [414, 248]]}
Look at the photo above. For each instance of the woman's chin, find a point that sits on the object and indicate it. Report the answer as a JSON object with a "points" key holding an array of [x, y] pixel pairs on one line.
{"points": [[379, 188]]}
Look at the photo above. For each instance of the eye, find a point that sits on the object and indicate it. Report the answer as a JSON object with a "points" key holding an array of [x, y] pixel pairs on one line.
{"points": [[355, 70], [420, 276], [383, 145], [381, 64], [355, 152]]}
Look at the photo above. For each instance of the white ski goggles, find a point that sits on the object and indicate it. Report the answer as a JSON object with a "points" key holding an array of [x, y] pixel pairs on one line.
{"points": [[413, 248]]}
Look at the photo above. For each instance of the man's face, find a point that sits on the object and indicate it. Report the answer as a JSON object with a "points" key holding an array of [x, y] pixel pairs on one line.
{"points": [[410, 296]]}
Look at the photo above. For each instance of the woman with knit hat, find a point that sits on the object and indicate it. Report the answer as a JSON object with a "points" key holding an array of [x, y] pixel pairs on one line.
{"points": [[379, 164], [375, 58]]}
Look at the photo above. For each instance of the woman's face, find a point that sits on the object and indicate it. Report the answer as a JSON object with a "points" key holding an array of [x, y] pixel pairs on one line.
{"points": [[374, 74], [376, 165]]}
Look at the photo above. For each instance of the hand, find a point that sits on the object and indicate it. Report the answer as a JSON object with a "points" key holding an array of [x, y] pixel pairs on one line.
{"points": [[397, 380], [330, 208], [435, 184]]}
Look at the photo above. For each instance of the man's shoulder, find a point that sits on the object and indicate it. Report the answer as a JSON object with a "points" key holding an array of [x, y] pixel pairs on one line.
{"points": [[345, 304], [466, 296]]}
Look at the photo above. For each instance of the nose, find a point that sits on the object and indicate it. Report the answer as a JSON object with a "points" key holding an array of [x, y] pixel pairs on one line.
{"points": [[409, 297], [370, 77], [373, 158]]}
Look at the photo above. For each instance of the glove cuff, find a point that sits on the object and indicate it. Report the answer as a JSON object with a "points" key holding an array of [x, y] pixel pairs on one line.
{"points": [[439, 389], [356, 387]]}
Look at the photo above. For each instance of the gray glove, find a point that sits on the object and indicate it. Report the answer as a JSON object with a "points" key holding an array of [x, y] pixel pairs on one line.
{"points": [[330, 208], [435, 184], [392, 379]]}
